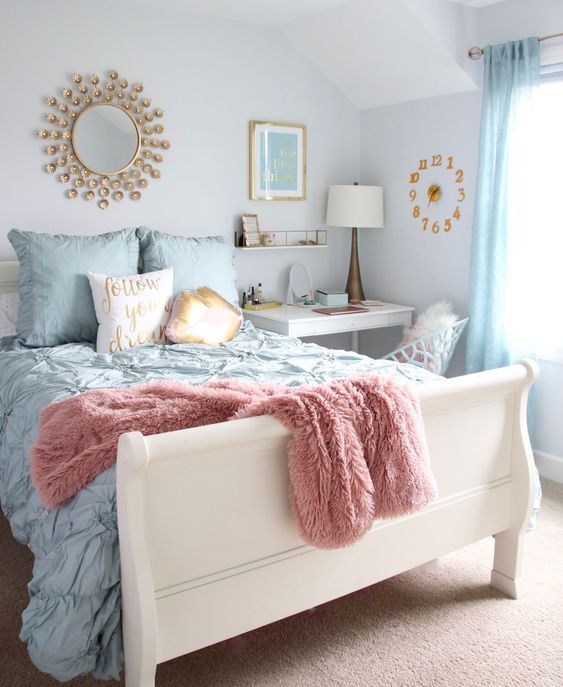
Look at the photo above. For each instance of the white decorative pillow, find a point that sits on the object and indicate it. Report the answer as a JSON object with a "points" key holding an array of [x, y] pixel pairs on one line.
{"points": [[132, 310], [9, 310]]}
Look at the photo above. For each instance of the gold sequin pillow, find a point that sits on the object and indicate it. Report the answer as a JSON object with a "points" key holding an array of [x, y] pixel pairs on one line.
{"points": [[203, 316]]}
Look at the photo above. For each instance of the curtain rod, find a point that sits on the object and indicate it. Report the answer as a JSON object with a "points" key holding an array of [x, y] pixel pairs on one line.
{"points": [[476, 53]]}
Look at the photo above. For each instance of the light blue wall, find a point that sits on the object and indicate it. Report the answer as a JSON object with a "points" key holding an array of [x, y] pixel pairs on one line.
{"points": [[513, 19], [211, 77], [400, 263]]}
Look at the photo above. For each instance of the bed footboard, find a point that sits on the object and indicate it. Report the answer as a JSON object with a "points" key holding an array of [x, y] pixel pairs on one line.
{"points": [[209, 549]]}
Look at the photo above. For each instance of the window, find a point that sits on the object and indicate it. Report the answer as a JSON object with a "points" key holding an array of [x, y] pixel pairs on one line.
{"points": [[535, 246]]}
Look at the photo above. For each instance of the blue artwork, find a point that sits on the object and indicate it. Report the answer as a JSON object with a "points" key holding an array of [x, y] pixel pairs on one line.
{"points": [[279, 158]]}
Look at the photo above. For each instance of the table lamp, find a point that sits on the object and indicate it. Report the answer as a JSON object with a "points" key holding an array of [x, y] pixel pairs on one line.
{"points": [[355, 206]]}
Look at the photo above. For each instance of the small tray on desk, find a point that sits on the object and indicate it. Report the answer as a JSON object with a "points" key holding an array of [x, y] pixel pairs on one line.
{"points": [[263, 306], [340, 310]]}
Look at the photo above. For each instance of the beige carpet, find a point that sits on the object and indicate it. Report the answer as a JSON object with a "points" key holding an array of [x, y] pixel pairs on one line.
{"points": [[440, 625]]}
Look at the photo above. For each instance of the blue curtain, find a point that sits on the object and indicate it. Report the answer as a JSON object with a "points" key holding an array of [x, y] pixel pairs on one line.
{"points": [[512, 71]]}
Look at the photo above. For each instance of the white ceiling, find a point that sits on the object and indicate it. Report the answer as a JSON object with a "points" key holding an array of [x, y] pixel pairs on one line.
{"points": [[377, 52], [267, 12], [383, 52], [478, 3]]}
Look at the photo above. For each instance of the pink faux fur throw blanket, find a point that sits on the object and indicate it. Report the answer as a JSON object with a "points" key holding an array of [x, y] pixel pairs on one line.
{"points": [[358, 450]]}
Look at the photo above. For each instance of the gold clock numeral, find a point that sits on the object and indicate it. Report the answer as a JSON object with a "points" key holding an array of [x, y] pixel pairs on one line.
{"points": [[412, 194], [423, 164], [447, 224], [457, 213], [450, 163], [436, 160], [436, 227], [459, 176], [416, 211], [415, 176], [424, 223], [461, 194]]}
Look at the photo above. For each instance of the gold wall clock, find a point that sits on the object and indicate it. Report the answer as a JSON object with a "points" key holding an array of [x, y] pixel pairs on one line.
{"points": [[437, 193]]}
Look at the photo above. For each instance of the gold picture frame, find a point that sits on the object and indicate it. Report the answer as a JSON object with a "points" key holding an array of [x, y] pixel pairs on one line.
{"points": [[278, 161], [251, 230]]}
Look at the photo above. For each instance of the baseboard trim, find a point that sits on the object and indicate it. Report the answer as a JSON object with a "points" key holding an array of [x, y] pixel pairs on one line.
{"points": [[549, 465]]}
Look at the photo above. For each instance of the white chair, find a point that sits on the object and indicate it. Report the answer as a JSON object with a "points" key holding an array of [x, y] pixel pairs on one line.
{"points": [[433, 351]]}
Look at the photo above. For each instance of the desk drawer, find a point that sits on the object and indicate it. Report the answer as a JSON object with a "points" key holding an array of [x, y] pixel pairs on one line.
{"points": [[334, 323], [400, 318]]}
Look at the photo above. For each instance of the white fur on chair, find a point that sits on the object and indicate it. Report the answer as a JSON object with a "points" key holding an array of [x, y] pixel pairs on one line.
{"points": [[430, 343], [436, 317]]}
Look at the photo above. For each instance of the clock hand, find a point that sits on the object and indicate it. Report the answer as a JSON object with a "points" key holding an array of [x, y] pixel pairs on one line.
{"points": [[433, 193]]}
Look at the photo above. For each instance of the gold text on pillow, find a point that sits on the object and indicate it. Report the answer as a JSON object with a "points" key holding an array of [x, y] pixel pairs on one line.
{"points": [[132, 310], [203, 316]]}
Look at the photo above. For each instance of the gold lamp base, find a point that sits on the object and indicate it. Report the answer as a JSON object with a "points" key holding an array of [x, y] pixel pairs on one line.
{"points": [[354, 287]]}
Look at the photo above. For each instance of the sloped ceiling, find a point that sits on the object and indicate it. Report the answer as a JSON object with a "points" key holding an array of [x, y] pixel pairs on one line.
{"points": [[382, 52], [265, 12], [377, 52], [478, 3]]}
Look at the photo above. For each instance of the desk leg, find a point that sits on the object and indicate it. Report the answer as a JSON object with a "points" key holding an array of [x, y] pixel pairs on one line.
{"points": [[356, 341]]}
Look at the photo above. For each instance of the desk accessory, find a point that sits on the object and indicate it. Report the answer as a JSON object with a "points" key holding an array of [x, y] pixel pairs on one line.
{"points": [[331, 297], [340, 310], [299, 285], [355, 206], [267, 305]]}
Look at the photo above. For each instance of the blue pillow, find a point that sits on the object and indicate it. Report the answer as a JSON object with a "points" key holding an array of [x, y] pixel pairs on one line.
{"points": [[208, 261], [56, 300]]}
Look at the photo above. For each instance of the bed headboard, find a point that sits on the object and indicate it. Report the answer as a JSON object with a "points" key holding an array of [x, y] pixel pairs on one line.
{"points": [[9, 270]]}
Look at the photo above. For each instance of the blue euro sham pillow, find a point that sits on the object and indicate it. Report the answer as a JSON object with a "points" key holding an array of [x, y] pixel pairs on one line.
{"points": [[208, 261], [56, 300]]}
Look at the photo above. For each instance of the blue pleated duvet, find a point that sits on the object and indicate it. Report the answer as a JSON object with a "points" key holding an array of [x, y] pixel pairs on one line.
{"points": [[72, 622]]}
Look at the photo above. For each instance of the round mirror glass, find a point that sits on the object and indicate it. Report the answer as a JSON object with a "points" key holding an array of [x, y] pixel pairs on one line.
{"points": [[105, 138], [300, 281]]}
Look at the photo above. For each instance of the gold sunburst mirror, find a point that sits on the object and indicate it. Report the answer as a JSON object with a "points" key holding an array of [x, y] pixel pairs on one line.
{"points": [[105, 139]]}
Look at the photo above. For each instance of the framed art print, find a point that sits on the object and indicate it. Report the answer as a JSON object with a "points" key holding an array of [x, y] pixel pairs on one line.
{"points": [[277, 161]]}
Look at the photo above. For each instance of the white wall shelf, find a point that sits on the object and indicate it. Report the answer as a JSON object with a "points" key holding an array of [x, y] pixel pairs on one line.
{"points": [[251, 248], [307, 238]]}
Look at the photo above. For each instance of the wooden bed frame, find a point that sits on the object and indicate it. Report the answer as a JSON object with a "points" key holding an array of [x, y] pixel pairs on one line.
{"points": [[209, 549]]}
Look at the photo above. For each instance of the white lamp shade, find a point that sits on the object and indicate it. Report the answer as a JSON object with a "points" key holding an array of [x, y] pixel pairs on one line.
{"points": [[355, 206]]}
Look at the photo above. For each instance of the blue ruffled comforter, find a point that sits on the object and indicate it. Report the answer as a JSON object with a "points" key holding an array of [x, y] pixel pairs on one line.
{"points": [[72, 622]]}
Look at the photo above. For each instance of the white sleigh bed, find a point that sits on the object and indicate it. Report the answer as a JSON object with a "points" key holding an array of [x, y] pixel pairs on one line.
{"points": [[209, 549]]}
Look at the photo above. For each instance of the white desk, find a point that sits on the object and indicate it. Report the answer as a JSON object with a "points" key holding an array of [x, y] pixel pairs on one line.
{"points": [[296, 321]]}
